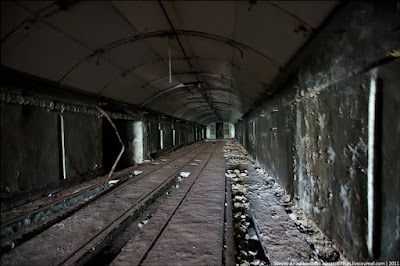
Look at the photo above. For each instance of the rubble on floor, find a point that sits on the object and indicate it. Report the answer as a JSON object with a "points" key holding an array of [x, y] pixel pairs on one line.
{"points": [[248, 245], [294, 239]]}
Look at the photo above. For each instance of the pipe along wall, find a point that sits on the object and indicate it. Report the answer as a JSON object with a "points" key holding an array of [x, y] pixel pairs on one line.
{"points": [[314, 134]]}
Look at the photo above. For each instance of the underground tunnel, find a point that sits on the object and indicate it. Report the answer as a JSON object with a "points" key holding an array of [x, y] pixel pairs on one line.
{"points": [[200, 132]]}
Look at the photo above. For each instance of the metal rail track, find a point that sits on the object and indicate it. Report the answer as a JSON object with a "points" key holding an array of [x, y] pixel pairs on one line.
{"points": [[139, 248], [181, 195], [12, 235], [135, 208], [130, 213]]}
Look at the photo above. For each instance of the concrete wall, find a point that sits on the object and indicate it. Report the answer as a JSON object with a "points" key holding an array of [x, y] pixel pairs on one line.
{"points": [[211, 131], [388, 174], [184, 133], [31, 150], [30, 154], [31, 144], [313, 134]]}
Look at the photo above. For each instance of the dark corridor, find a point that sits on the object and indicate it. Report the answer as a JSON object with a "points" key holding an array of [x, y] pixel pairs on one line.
{"points": [[277, 145], [220, 131]]}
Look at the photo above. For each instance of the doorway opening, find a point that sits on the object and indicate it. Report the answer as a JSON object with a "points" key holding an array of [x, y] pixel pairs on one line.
{"points": [[220, 130]]}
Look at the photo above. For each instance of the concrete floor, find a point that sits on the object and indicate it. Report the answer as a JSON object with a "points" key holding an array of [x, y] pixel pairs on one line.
{"points": [[182, 209]]}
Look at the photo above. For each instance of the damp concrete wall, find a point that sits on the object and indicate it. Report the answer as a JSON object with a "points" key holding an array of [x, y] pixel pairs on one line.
{"points": [[30, 154], [31, 144], [388, 176], [312, 133], [173, 134], [32, 130], [31, 148]]}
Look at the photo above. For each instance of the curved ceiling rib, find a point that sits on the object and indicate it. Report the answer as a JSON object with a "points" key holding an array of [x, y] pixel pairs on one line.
{"points": [[232, 107], [214, 75], [135, 68], [225, 87], [206, 35], [159, 61], [221, 65], [238, 99], [290, 14], [179, 86], [216, 103], [183, 86], [167, 33]]}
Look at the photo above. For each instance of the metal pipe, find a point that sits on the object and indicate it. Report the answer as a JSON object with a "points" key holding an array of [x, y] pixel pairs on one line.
{"points": [[64, 163], [371, 164], [169, 62]]}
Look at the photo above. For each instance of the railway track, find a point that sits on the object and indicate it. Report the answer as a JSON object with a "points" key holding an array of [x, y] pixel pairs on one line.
{"points": [[26, 221], [189, 228], [79, 238]]}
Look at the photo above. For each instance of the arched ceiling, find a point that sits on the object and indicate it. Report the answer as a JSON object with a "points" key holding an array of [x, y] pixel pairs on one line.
{"points": [[223, 54]]}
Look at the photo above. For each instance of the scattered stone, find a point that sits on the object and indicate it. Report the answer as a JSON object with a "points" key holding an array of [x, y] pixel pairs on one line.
{"points": [[236, 180], [244, 253], [113, 182], [184, 174], [252, 253], [230, 175], [240, 198], [238, 205], [255, 262], [321, 249]]}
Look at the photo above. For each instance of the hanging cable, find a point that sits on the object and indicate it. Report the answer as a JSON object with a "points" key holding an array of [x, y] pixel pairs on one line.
{"points": [[169, 62]]}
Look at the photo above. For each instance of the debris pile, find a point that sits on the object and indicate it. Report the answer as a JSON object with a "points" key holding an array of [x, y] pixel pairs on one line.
{"points": [[245, 190], [322, 248], [249, 250]]}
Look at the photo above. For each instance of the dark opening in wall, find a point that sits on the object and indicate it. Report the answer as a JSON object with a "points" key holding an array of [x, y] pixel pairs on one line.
{"points": [[220, 131], [111, 144]]}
